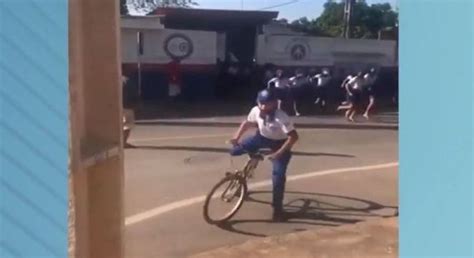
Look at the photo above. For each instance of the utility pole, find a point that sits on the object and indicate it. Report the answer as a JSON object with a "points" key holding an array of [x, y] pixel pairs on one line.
{"points": [[348, 8]]}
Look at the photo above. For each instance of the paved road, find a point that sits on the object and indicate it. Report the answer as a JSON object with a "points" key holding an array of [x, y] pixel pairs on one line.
{"points": [[350, 176]]}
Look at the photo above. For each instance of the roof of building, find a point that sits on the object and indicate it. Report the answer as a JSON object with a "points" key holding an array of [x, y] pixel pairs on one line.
{"points": [[202, 17], [147, 17]]}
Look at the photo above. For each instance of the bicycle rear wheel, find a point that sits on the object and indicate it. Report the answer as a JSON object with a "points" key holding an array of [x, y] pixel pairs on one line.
{"points": [[225, 199]]}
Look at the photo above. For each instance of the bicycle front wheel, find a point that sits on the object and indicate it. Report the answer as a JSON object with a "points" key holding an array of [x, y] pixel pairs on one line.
{"points": [[225, 199]]}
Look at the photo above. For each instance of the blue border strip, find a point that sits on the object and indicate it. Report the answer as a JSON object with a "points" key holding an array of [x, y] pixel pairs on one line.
{"points": [[436, 128], [33, 128]]}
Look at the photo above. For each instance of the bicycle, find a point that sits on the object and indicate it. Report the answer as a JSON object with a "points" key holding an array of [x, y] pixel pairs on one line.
{"points": [[235, 186]]}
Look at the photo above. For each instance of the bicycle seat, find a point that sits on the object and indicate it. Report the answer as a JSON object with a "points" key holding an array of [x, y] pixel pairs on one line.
{"points": [[260, 154]]}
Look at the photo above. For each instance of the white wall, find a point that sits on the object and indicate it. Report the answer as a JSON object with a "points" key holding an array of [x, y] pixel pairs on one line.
{"points": [[325, 51], [209, 46], [129, 45], [221, 46], [146, 22], [204, 46]]}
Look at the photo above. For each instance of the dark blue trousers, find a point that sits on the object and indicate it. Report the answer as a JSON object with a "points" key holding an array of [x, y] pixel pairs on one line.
{"points": [[256, 142]]}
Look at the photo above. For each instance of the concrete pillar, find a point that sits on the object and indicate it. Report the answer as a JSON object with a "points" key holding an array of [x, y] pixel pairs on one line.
{"points": [[96, 151]]}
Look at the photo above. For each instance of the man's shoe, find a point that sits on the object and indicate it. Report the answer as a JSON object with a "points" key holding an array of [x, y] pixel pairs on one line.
{"points": [[279, 216]]}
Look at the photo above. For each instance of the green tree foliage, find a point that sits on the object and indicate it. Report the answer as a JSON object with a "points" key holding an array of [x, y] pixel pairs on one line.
{"points": [[306, 26], [148, 6], [123, 7], [367, 20]]}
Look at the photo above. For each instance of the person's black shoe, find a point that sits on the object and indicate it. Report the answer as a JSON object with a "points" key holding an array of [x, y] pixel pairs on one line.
{"points": [[279, 216]]}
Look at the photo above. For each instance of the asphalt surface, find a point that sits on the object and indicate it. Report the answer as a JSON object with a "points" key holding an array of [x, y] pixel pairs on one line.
{"points": [[350, 175]]}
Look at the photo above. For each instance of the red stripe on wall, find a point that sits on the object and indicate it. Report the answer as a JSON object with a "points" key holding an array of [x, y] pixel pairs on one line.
{"points": [[128, 68]]}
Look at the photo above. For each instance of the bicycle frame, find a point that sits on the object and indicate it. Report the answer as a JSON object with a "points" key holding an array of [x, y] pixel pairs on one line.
{"points": [[251, 165], [224, 193], [235, 184]]}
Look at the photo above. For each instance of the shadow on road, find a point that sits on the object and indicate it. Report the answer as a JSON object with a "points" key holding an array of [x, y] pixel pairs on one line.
{"points": [[315, 209], [226, 150]]}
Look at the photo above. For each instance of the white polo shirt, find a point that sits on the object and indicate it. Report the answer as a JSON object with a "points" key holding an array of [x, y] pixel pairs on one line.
{"points": [[280, 83], [274, 130], [321, 79], [348, 78], [369, 79], [356, 83], [295, 82]]}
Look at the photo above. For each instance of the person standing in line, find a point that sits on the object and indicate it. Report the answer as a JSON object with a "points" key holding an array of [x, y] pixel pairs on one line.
{"points": [[174, 79], [369, 88], [354, 92], [279, 84], [343, 87], [321, 86], [296, 86]]}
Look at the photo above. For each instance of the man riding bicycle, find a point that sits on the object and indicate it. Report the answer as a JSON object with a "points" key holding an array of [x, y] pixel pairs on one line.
{"points": [[275, 132]]}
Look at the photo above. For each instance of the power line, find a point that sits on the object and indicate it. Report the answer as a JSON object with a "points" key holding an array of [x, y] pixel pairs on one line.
{"points": [[279, 5]]}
